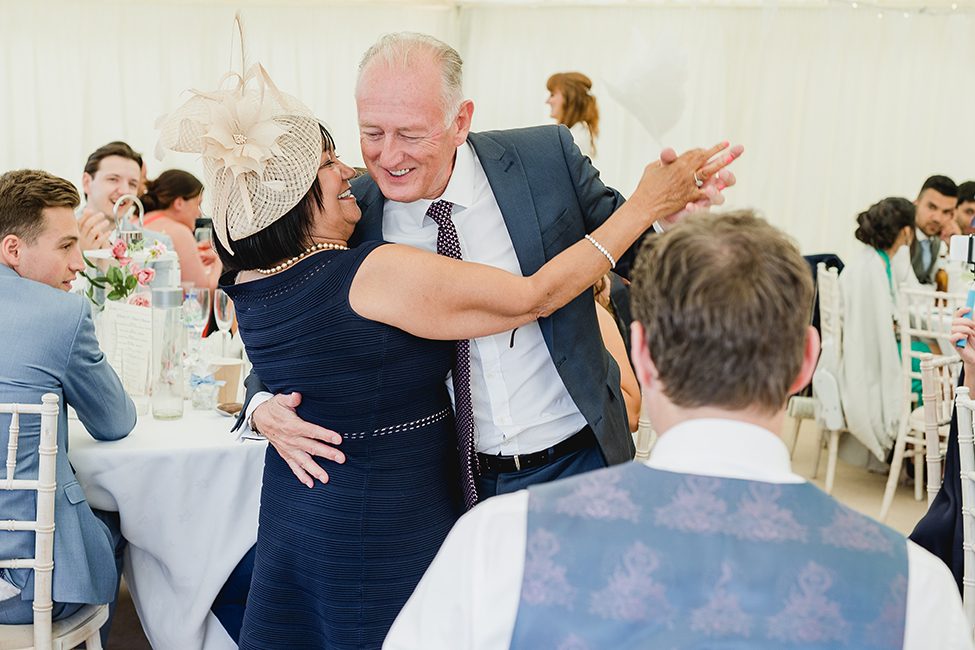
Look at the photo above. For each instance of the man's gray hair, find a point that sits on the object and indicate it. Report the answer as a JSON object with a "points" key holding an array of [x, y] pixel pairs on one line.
{"points": [[398, 50]]}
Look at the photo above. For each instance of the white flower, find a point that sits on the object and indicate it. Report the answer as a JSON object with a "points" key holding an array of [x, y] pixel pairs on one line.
{"points": [[242, 133]]}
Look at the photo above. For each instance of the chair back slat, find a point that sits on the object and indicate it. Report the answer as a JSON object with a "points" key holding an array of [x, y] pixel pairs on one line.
{"points": [[645, 435], [938, 380], [966, 453], [43, 526], [14, 435], [828, 280]]}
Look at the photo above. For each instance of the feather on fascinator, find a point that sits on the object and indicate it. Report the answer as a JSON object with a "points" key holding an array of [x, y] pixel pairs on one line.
{"points": [[261, 148]]}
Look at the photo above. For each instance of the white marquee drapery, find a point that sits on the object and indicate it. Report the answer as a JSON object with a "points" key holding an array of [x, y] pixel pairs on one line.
{"points": [[836, 106]]}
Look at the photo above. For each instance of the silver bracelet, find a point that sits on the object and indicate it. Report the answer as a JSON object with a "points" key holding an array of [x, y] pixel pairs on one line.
{"points": [[602, 249]]}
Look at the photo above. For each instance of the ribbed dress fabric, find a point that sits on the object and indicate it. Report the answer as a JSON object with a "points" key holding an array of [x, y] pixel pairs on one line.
{"points": [[336, 563]]}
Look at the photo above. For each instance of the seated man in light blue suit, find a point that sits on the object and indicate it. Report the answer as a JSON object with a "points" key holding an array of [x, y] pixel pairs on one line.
{"points": [[50, 347]]}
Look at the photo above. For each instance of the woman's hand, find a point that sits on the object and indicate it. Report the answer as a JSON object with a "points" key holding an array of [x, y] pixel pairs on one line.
{"points": [[669, 188]]}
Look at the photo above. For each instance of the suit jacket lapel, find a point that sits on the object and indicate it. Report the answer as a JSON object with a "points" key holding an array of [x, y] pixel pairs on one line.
{"points": [[370, 200], [509, 182]]}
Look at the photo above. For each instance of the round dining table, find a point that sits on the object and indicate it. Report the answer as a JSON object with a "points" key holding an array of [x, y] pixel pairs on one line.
{"points": [[188, 497]]}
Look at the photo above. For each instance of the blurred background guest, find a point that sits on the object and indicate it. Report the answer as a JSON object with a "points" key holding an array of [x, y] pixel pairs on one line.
{"points": [[935, 207], [111, 172], [172, 203], [573, 105], [613, 330], [965, 208], [870, 368]]}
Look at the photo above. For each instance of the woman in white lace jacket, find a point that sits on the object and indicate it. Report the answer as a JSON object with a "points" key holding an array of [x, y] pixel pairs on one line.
{"points": [[870, 370]]}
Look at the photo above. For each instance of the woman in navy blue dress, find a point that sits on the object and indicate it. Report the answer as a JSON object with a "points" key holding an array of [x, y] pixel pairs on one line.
{"points": [[366, 335]]}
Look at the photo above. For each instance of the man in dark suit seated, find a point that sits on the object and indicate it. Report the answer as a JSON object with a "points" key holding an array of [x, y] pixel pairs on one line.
{"points": [[935, 207], [50, 347], [713, 542]]}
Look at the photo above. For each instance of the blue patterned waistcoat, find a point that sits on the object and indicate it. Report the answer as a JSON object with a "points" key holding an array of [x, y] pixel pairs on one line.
{"points": [[631, 557]]}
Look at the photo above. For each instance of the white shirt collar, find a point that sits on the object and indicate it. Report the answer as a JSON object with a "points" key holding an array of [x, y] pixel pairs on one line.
{"points": [[921, 236], [725, 448], [459, 190]]}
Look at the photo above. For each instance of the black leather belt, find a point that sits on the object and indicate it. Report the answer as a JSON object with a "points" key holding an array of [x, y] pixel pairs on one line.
{"points": [[504, 464]]}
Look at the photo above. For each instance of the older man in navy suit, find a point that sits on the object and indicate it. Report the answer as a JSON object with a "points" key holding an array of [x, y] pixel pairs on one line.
{"points": [[546, 397], [50, 347]]}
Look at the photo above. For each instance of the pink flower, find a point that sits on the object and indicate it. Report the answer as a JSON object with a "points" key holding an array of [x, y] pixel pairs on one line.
{"points": [[140, 299], [145, 276], [119, 249], [157, 249]]}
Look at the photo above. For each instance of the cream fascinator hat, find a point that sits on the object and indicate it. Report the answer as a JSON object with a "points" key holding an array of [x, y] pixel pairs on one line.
{"points": [[261, 148]]}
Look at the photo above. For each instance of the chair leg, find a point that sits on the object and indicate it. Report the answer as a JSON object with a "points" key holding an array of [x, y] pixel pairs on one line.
{"points": [[918, 472], [819, 453], [795, 424], [834, 445], [94, 642], [895, 470]]}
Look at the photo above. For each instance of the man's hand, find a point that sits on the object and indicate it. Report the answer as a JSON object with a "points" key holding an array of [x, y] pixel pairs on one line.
{"points": [[94, 230], [295, 440], [950, 228]]}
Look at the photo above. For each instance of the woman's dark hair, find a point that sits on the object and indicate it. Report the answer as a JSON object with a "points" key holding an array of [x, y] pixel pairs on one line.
{"points": [[883, 221], [287, 237], [171, 185]]}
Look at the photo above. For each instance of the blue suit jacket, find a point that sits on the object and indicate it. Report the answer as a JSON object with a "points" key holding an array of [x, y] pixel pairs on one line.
{"points": [[49, 346], [550, 196]]}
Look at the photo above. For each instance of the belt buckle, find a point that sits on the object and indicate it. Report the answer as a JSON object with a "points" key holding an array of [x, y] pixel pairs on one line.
{"points": [[517, 464]]}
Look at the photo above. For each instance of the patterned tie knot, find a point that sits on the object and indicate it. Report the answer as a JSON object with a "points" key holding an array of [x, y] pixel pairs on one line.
{"points": [[448, 243]]}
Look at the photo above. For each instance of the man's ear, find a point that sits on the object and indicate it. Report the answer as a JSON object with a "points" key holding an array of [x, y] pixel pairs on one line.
{"points": [[86, 183], [11, 251], [646, 371], [463, 121], [810, 357]]}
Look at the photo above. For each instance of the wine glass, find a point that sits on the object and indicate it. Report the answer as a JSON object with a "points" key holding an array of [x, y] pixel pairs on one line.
{"points": [[196, 311], [223, 312]]}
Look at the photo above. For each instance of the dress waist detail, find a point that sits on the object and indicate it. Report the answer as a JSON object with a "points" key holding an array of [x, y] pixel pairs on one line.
{"points": [[399, 428]]}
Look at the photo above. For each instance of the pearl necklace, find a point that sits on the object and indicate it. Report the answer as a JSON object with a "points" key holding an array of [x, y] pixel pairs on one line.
{"points": [[308, 251]]}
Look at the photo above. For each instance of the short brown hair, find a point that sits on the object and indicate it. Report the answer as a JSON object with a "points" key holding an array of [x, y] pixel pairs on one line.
{"points": [[23, 196], [726, 302], [117, 148]]}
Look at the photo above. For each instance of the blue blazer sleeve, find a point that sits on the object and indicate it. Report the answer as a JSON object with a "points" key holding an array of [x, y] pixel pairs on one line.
{"points": [[92, 387]]}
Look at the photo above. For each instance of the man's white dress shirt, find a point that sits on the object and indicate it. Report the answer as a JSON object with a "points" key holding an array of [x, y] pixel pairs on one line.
{"points": [[520, 403], [468, 599]]}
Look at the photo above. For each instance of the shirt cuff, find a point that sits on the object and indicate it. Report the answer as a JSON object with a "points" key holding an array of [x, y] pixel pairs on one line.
{"points": [[657, 227], [245, 432]]}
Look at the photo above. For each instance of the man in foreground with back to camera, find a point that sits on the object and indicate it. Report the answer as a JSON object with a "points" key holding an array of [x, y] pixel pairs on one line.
{"points": [[714, 540], [50, 347]]}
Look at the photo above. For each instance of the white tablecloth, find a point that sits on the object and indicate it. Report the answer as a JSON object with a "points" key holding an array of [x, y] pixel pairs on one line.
{"points": [[188, 498]]}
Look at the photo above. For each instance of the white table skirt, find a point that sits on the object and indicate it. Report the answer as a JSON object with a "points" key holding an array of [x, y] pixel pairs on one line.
{"points": [[188, 498]]}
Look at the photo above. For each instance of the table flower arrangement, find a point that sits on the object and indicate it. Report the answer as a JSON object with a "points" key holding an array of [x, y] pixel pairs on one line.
{"points": [[124, 275]]}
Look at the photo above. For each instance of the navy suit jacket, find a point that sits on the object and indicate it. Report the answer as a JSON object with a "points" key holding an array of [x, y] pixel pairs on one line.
{"points": [[550, 196], [49, 346]]}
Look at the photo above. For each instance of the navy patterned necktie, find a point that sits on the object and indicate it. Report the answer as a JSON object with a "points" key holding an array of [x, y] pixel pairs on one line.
{"points": [[448, 245]]}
